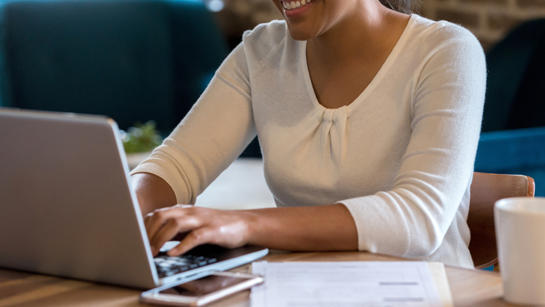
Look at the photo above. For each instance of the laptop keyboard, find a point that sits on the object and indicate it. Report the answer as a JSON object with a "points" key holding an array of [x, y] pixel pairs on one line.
{"points": [[168, 266]]}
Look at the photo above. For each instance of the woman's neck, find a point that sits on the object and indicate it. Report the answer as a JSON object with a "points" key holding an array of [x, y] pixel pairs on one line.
{"points": [[368, 30]]}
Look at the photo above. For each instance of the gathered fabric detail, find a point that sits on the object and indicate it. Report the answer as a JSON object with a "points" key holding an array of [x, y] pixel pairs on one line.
{"points": [[332, 129]]}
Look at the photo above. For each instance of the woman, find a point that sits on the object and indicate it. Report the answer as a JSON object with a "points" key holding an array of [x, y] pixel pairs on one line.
{"points": [[368, 120]]}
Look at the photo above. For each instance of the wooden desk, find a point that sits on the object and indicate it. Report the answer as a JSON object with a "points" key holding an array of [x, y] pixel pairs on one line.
{"points": [[468, 287]]}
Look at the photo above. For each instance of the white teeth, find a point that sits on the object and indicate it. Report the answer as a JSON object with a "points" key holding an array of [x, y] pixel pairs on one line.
{"points": [[289, 5]]}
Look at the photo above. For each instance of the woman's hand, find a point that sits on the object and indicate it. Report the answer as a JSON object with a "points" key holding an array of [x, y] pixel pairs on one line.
{"points": [[315, 228], [200, 225]]}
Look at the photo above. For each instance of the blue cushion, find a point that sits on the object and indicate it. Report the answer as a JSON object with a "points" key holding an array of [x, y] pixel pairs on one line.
{"points": [[519, 151]]}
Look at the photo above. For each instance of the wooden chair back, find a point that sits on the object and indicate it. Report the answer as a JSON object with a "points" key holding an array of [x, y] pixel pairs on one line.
{"points": [[486, 189]]}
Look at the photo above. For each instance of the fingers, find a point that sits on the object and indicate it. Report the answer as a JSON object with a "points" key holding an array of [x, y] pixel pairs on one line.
{"points": [[170, 229], [203, 225], [164, 234], [158, 218], [155, 220], [164, 224], [196, 237]]}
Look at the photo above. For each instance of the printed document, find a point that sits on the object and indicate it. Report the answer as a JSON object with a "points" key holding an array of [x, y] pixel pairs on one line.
{"points": [[350, 284]]}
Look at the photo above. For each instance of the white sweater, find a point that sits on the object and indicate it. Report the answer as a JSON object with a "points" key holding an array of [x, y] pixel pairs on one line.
{"points": [[399, 157]]}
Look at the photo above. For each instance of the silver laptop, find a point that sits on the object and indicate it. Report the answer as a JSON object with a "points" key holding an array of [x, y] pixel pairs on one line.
{"points": [[67, 208]]}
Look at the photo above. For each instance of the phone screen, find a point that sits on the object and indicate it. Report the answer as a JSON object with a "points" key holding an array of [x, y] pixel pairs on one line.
{"points": [[204, 285]]}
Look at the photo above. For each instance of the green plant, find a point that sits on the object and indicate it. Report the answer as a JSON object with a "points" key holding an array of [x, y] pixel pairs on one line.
{"points": [[141, 138]]}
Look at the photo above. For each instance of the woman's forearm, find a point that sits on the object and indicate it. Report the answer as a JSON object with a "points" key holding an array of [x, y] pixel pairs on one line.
{"points": [[152, 192], [318, 228]]}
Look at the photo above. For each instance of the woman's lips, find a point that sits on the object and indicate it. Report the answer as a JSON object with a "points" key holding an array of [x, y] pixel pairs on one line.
{"points": [[293, 8]]}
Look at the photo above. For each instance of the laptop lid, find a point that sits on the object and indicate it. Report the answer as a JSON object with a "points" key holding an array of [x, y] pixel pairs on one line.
{"points": [[69, 209], [66, 204]]}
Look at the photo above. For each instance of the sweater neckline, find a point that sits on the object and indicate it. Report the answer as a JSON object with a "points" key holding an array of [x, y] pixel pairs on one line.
{"points": [[374, 82]]}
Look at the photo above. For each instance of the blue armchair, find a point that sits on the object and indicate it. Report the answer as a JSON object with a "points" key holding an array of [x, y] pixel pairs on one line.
{"points": [[520, 151], [133, 60], [513, 137]]}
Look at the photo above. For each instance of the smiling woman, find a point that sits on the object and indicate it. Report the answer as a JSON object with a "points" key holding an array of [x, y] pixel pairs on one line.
{"points": [[368, 120]]}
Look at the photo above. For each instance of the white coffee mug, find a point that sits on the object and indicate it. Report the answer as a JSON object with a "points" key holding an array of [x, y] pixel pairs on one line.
{"points": [[520, 234]]}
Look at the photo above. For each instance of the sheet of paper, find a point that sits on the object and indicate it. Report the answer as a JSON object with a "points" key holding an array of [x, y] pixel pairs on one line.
{"points": [[350, 284]]}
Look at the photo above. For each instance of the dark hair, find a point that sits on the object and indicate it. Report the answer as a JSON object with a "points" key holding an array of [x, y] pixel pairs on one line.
{"points": [[403, 6]]}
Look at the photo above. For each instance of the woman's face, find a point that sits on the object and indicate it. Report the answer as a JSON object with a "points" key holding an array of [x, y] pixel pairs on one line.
{"points": [[308, 19]]}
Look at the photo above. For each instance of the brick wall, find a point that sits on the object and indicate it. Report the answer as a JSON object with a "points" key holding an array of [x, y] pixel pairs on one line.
{"points": [[489, 20]]}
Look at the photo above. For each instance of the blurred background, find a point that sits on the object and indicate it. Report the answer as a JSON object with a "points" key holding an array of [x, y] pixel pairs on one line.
{"points": [[149, 60]]}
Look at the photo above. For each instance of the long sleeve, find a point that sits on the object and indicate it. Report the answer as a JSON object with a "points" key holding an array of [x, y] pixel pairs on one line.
{"points": [[216, 130], [412, 218]]}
